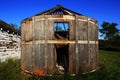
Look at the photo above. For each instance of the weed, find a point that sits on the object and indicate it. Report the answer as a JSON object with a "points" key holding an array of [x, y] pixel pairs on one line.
{"points": [[109, 69]]}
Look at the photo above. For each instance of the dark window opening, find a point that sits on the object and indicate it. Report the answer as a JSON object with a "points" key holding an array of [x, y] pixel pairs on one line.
{"points": [[61, 31]]}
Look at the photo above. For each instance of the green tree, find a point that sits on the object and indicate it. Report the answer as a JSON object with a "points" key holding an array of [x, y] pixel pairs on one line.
{"points": [[109, 30]]}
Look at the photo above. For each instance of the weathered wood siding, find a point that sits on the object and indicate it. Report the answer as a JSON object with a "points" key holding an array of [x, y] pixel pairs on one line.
{"points": [[44, 52], [39, 54], [50, 51], [27, 49], [82, 54], [71, 54], [92, 48]]}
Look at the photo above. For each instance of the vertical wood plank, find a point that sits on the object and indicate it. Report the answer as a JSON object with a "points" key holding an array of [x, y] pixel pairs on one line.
{"points": [[23, 31], [50, 47], [39, 30], [76, 44], [23, 56], [46, 56], [71, 51], [92, 51], [39, 34], [82, 48]]}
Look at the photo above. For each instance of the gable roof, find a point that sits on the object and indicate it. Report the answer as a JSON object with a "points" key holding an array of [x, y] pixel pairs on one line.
{"points": [[7, 27], [58, 10]]}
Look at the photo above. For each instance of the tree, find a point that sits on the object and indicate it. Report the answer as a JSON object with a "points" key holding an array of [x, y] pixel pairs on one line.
{"points": [[111, 35], [18, 29], [14, 26], [109, 30], [58, 28]]}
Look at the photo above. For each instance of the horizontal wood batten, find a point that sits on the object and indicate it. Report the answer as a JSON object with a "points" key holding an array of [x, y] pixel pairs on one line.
{"points": [[60, 42], [66, 19]]}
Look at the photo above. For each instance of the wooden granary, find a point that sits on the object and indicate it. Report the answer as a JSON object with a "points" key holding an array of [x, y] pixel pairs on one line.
{"points": [[59, 38]]}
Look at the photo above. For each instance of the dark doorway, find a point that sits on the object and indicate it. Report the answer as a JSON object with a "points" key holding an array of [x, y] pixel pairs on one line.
{"points": [[61, 30]]}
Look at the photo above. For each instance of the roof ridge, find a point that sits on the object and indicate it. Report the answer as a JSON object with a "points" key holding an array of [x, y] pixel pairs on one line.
{"points": [[7, 26], [57, 8]]}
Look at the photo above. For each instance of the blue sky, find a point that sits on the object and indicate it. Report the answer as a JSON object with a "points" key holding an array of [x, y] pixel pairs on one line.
{"points": [[14, 11]]}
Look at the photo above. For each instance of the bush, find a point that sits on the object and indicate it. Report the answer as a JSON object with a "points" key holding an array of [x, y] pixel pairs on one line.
{"points": [[113, 45]]}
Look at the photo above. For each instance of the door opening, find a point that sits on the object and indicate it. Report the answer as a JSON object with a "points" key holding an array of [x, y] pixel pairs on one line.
{"points": [[61, 31]]}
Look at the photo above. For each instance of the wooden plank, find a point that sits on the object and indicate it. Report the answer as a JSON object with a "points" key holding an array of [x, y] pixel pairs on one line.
{"points": [[26, 56], [39, 30], [38, 49], [93, 57], [23, 56], [82, 30], [71, 50], [28, 31], [83, 58], [92, 48], [71, 30], [72, 58], [82, 46], [50, 30], [33, 43], [50, 47], [96, 46], [50, 59], [92, 32], [23, 48], [76, 44], [46, 56], [22, 31], [29, 58], [37, 18], [59, 42], [96, 56], [96, 32], [39, 61]]}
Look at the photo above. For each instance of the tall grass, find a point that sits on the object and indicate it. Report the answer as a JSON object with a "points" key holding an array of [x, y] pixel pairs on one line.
{"points": [[10, 70], [109, 69]]}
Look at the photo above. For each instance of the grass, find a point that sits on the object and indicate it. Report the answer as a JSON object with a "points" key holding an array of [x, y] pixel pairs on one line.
{"points": [[109, 70], [111, 62], [10, 70]]}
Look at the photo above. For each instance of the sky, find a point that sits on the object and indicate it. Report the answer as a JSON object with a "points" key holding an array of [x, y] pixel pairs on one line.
{"points": [[14, 11]]}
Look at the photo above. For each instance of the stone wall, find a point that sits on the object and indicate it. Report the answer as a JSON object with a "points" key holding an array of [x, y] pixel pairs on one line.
{"points": [[9, 45]]}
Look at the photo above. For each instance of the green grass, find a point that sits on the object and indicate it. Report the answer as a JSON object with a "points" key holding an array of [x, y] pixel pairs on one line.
{"points": [[109, 69], [10, 70], [111, 62], [110, 59]]}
